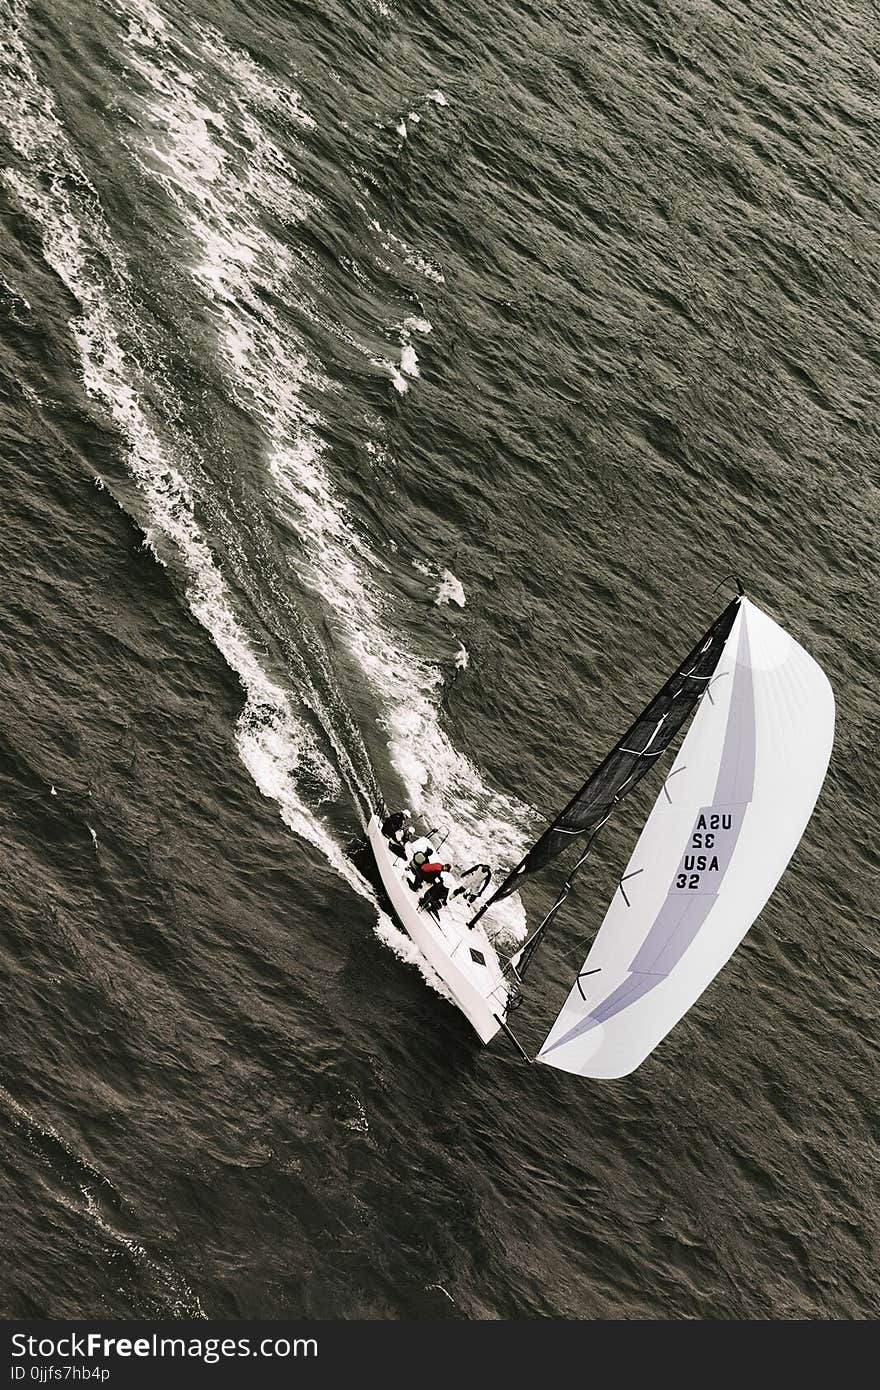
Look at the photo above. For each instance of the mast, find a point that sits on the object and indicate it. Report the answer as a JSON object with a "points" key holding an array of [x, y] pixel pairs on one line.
{"points": [[644, 742]]}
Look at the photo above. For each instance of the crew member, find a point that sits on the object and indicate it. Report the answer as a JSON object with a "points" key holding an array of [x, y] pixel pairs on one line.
{"points": [[422, 846], [426, 872], [393, 824], [478, 885], [432, 870], [417, 853], [436, 896], [401, 847]]}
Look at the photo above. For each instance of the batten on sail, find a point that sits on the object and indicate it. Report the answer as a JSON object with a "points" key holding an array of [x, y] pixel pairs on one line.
{"points": [[725, 824]]}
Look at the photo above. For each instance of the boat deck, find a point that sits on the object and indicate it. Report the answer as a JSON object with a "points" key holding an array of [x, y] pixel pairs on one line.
{"points": [[464, 958]]}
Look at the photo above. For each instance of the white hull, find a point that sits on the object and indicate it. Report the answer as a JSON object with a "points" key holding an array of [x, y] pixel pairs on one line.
{"points": [[476, 985]]}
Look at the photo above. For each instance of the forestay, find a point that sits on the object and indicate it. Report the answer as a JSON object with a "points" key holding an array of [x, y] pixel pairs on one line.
{"points": [[727, 820]]}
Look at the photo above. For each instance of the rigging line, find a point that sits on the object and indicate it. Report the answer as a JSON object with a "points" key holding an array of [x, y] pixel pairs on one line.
{"points": [[579, 946], [740, 587], [542, 926], [530, 945]]}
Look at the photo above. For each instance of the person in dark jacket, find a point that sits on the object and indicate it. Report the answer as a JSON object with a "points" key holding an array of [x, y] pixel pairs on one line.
{"points": [[432, 870], [393, 824], [400, 846], [435, 898]]}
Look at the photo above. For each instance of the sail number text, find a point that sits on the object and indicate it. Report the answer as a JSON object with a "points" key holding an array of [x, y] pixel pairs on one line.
{"points": [[704, 838]]}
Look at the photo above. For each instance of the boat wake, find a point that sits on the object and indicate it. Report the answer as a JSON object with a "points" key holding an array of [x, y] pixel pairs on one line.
{"points": [[204, 113], [204, 135], [277, 746]]}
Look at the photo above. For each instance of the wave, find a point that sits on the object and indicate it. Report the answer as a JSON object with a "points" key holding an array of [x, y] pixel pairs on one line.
{"points": [[87, 1194], [451, 590]]}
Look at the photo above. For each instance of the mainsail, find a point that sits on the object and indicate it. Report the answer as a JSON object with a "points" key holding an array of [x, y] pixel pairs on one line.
{"points": [[725, 824], [631, 757]]}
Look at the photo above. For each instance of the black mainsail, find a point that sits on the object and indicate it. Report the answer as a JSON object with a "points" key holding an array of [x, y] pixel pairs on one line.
{"points": [[644, 742]]}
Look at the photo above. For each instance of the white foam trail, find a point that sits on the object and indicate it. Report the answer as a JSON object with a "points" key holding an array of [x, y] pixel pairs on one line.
{"points": [[274, 746], [396, 245], [35, 1130], [145, 27], [406, 950], [277, 747], [13, 309], [398, 380], [185, 1303], [439, 98], [358, 1122], [278, 97], [409, 362], [246, 273], [451, 590]]}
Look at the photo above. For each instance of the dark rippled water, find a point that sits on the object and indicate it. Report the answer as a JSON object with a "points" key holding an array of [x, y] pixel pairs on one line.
{"points": [[385, 390]]}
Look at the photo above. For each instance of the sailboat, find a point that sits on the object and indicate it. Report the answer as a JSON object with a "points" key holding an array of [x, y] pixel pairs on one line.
{"points": [[728, 816]]}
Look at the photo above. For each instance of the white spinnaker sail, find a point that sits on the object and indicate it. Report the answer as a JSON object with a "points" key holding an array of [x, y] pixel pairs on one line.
{"points": [[727, 821]]}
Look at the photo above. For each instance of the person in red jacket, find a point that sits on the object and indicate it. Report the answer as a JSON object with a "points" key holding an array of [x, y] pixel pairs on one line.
{"points": [[426, 873], [437, 895]]}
